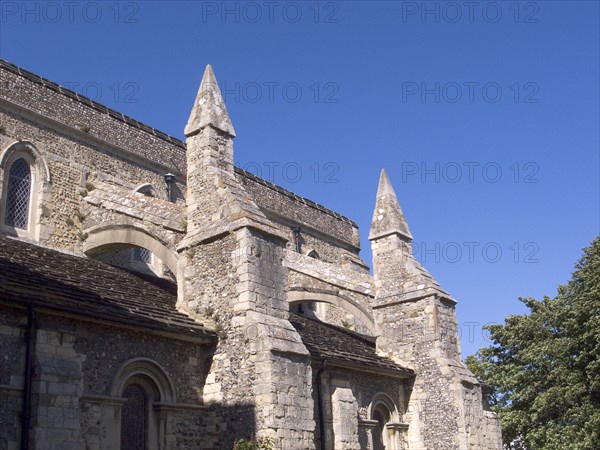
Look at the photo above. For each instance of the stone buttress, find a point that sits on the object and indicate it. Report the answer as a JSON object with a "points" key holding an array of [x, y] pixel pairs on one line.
{"points": [[416, 324], [232, 277]]}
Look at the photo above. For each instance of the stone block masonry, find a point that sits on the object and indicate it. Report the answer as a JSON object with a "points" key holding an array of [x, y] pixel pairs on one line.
{"points": [[258, 317]]}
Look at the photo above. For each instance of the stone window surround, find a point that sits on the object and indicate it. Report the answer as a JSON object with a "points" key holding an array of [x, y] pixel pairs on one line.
{"points": [[394, 427], [296, 296], [130, 235], [158, 387], [40, 182]]}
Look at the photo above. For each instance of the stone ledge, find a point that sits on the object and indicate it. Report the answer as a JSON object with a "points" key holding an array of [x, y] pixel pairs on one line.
{"points": [[8, 387], [413, 296], [344, 278]]}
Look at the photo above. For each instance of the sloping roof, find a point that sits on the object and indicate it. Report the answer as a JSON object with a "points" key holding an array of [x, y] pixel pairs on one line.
{"points": [[85, 287], [343, 347], [76, 285]]}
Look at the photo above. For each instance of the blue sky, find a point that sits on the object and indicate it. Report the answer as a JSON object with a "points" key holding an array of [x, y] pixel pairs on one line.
{"points": [[485, 114]]}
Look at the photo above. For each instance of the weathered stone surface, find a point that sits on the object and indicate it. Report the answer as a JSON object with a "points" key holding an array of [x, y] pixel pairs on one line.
{"points": [[388, 217], [209, 108], [417, 326], [221, 358]]}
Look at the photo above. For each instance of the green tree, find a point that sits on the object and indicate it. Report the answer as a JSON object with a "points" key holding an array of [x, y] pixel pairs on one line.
{"points": [[544, 366]]}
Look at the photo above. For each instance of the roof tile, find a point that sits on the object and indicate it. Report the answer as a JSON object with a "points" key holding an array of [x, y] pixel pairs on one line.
{"points": [[33, 274]]}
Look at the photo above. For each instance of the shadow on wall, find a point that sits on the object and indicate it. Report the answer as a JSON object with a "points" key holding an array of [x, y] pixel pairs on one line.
{"points": [[217, 427], [214, 426], [233, 422]]}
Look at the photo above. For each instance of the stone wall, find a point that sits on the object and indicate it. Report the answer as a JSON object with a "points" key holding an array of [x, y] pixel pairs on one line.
{"points": [[237, 285], [349, 400], [85, 143], [347, 293], [416, 319], [330, 234], [74, 167], [76, 365], [12, 364], [68, 108]]}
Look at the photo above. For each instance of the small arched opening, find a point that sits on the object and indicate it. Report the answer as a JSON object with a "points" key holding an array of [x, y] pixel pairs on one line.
{"points": [[131, 248], [387, 431], [147, 189], [143, 385], [313, 254], [317, 305], [24, 179], [381, 438]]}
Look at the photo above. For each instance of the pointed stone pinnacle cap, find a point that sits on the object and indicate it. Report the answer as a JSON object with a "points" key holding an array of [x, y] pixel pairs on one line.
{"points": [[209, 107], [388, 217], [385, 185]]}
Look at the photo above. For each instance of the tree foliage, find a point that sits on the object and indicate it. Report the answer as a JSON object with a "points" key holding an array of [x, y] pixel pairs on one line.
{"points": [[544, 366]]}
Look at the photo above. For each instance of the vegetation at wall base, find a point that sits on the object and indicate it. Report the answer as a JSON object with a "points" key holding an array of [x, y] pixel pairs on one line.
{"points": [[263, 443]]}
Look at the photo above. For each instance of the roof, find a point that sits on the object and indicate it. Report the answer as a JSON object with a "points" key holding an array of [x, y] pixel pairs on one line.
{"points": [[85, 287], [81, 286], [343, 347]]}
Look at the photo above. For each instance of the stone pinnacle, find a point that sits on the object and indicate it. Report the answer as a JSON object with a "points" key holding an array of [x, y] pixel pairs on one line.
{"points": [[388, 217], [209, 108]]}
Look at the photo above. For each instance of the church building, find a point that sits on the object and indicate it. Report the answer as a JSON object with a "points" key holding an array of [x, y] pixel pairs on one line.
{"points": [[153, 296]]}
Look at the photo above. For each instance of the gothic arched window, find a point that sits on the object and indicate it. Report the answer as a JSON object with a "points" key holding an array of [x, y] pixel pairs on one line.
{"points": [[18, 194]]}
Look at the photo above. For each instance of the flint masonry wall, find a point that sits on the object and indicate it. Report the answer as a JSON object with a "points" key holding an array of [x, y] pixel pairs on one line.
{"points": [[418, 326], [12, 340], [260, 357], [334, 237], [85, 142], [66, 107], [72, 165], [73, 374], [352, 308], [229, 286]]}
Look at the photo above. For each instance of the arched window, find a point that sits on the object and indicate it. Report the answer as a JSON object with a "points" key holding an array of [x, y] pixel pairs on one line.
{"points": [[25, 178], [147, 189], [380, 434], [143, 385], [141, 254], [388, 431], [134, 418], [18, 195], [313, 254]]}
